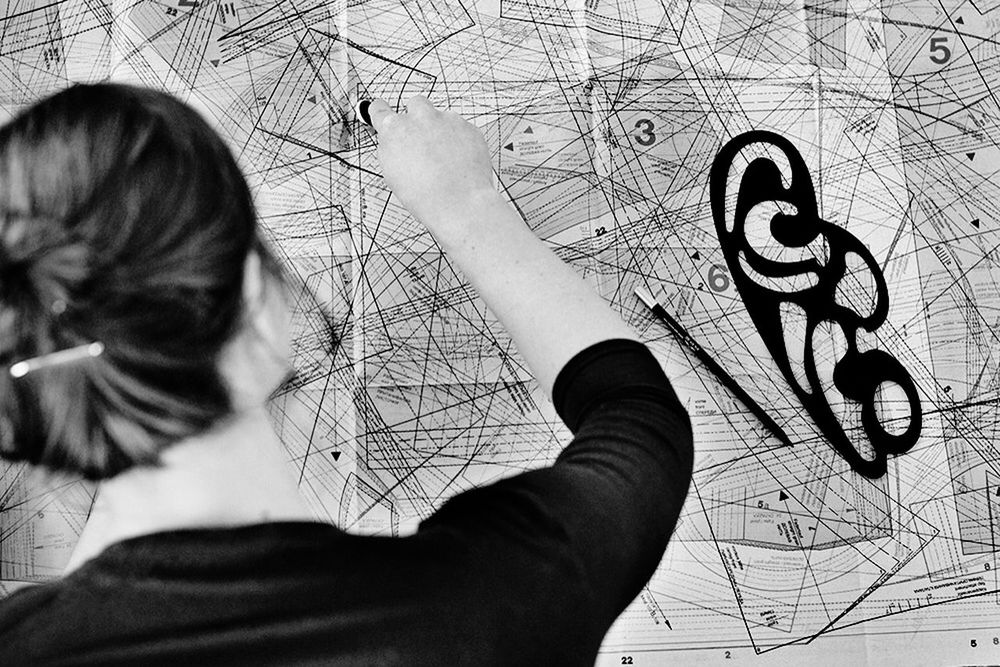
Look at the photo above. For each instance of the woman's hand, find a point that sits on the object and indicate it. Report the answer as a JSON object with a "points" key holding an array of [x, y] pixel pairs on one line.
{"points": [[436, 163]]}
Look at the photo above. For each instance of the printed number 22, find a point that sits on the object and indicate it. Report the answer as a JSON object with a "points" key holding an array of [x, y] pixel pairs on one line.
{"points": [[626, 660], [645, 139], [940, 53]]}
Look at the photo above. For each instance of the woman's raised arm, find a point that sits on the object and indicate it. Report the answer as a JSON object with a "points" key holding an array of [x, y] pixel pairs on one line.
{"points": [[439, 167]]}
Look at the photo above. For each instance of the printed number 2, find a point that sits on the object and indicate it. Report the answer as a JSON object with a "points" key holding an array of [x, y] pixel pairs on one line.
{"points": [[940, 53], [647, 138], [626, 660]]}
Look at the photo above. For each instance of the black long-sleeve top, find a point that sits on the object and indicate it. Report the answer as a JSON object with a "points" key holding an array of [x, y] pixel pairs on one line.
{"points": [[530, 570]]}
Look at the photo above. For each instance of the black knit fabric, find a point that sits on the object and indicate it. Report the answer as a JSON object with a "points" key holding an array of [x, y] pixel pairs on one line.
{"points": [[530, 570], [603, 371]]}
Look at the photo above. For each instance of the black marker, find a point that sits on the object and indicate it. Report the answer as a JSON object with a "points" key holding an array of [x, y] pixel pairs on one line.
{"points": [[363, 112], [727, 379]]}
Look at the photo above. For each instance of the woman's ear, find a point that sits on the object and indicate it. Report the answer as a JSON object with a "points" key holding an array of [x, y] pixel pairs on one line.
{"points": [[258, 358], [266, 313]]}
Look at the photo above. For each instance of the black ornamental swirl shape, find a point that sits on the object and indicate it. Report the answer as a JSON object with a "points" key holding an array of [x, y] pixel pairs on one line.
{"points": [[857, 375]]}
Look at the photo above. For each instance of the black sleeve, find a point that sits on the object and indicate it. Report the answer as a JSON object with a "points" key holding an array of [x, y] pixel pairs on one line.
{"points": [[568, 547]]}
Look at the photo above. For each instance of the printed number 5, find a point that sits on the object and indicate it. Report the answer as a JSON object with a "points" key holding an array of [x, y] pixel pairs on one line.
{"points": [[645, 139], [940, 53]]}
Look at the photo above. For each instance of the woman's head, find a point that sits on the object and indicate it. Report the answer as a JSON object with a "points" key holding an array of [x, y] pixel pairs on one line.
{"points": [[124, 220]]}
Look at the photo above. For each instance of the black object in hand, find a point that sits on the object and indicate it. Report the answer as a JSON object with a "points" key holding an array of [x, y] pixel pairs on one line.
{"points": [[363, 112]]}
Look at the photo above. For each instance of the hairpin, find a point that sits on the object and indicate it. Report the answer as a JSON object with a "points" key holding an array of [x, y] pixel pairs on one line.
{"points": [[79, 353]]}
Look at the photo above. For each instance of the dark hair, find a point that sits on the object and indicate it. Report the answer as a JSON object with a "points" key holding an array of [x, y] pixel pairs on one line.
{"points": [[124, 219]]}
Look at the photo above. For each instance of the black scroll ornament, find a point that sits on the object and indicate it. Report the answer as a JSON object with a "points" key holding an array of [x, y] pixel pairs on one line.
{"points": [[857, 375]]}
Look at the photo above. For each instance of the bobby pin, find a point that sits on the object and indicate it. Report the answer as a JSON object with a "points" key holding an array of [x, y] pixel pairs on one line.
{"points": [[79, 353]]}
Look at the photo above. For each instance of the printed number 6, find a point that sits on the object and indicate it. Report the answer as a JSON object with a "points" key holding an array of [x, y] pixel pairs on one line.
{"points": [[718, 279], [646, 127], [938, 45]]}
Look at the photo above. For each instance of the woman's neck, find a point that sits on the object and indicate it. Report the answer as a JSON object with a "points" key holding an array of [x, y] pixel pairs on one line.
{"points": [[235, 474]]}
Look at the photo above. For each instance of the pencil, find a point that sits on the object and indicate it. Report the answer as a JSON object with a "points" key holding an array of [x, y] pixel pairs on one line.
{"points": [[727, 380]]}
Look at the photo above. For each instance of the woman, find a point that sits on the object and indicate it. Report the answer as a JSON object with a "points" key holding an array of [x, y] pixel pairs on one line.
{"points": [[140, 337]]}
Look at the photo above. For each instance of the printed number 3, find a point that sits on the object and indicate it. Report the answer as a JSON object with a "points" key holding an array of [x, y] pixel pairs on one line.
{"points": [[645, 139]]}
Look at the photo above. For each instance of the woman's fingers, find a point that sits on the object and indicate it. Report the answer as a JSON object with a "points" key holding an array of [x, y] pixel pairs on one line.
{"points": [[418, 105], [380, 113]]}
